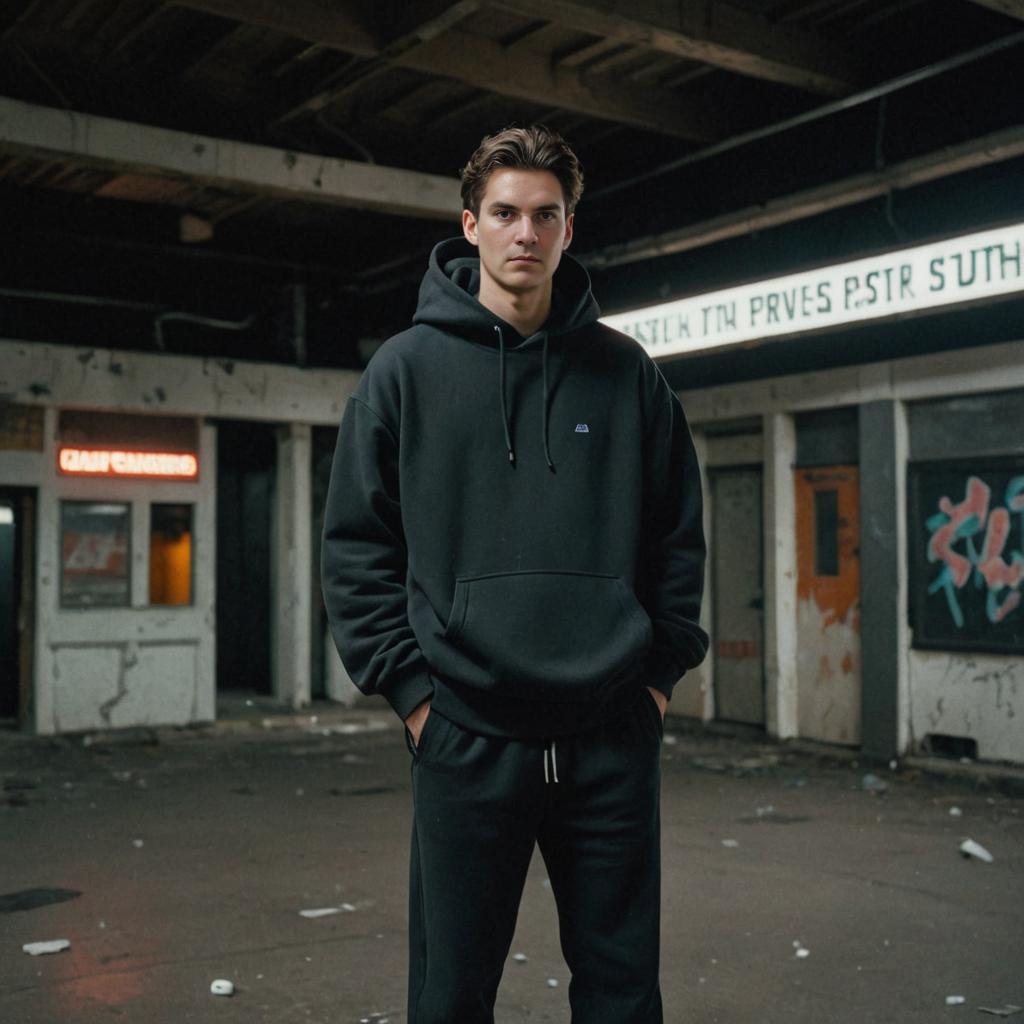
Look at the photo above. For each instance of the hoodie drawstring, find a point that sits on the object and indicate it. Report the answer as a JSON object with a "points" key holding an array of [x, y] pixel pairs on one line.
{"points": [[504, 407], [544, 411], [501, 388]]}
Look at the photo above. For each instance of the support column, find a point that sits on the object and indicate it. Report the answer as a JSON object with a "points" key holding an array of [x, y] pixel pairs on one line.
{"points": [[883, 578], [780, 576], [291, 565]]}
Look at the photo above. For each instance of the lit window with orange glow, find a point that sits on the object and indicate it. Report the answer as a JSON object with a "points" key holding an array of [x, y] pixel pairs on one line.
{"points": [[170, 554]]}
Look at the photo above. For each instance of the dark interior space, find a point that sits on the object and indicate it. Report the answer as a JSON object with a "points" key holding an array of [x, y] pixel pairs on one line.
{"points": [[245, 490]]}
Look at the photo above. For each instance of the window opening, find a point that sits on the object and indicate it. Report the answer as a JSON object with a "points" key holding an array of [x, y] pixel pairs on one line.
{"points": [[170, 554]]}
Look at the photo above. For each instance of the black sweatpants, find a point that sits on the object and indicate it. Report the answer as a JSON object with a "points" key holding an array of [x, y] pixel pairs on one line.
{"points": [[591, 803]]}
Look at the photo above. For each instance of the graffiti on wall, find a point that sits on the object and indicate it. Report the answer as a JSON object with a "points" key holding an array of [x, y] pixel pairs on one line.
{"points": [[972, 544], [981, 532]]}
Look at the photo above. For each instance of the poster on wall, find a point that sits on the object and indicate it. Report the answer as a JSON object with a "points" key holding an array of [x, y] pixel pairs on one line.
{"points": [[94, 555], [966, 538]]}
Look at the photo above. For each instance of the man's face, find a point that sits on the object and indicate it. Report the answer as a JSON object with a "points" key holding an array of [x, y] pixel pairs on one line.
{"points": [[521, 230]]}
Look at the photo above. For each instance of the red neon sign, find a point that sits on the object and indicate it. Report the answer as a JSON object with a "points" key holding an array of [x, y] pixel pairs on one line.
{"points": [[118, 462]]}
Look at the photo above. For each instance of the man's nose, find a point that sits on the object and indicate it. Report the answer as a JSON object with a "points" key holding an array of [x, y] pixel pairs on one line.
{"points": [[526, 233]]}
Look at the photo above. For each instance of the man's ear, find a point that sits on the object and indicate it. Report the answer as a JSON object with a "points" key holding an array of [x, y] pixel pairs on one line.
{"points": [[568, 231], [469, 227]]}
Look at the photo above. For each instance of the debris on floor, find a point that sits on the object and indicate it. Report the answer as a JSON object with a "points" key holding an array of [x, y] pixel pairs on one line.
{"points": [[801, 952], [50, 946], [955, 812], [969, 848], [731, 843], [955, 1000], [552, 983], [520, 958], [871, 783], [222, 987], [345, 908], [1001, 1011]]}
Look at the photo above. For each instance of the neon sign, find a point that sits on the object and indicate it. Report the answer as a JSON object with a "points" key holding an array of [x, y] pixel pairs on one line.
{"points": [[982, 265], [109, 462]]}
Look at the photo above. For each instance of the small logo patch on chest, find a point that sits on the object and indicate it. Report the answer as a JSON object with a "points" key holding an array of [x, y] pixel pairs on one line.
{"points": [[582, 428]]}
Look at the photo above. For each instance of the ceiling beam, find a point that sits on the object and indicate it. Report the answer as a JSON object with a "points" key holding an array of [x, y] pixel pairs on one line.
{"points": [[124, 147], [1013, 8], [988, 149], [714, 33], [476, 61], [332, 25], [530, 76]]}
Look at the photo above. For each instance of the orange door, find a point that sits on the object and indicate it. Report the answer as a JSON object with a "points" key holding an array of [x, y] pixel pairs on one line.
{"points": [[828, 606]]}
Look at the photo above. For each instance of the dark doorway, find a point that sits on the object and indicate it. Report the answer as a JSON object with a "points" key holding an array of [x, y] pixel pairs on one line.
{"points": [[324, 439], [246, 456], [17, 614]]}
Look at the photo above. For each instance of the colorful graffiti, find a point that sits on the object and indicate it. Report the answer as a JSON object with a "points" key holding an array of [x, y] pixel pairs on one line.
{"points": [[953, 542]]}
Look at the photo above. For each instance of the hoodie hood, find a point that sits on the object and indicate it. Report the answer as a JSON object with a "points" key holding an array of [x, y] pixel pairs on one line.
{"points": [[448, 298], [448, 301]]}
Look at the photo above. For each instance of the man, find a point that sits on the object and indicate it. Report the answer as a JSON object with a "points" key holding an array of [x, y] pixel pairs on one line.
{"points": [[513, 556]]}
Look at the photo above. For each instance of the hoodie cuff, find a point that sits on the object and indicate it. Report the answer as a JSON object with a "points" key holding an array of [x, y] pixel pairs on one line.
{"points": [[406, 693], [661, 671]]}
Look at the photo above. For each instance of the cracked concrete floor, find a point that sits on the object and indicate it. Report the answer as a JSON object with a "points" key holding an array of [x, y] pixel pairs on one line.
{"points": [[193, 856]]}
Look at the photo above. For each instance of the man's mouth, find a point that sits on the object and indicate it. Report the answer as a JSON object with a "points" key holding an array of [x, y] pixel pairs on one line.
{"points": [[525, 259]]}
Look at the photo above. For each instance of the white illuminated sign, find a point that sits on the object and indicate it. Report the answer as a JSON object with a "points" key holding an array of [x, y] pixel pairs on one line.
{"points": [[976, 266], [114, 462]]}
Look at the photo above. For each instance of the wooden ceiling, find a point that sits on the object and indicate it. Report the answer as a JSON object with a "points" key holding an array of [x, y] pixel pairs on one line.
{"points": [[224, 156]]}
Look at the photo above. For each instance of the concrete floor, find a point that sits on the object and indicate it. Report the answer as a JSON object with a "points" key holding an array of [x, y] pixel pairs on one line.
{"points": [[192, 857]]}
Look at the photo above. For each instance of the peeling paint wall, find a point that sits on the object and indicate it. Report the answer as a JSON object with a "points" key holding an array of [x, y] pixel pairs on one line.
{"points": [[828, 609], [980, 696]]}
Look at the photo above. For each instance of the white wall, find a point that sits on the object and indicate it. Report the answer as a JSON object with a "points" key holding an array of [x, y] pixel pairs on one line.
{"points": [[976, 695]]}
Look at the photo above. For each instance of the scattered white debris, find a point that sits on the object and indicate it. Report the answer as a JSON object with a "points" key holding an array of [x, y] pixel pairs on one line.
{"points": [[801, 952], [762, 812], [546, 883], [955, 1000], [893, 764], [670, 739], [1001, 1011], [873, 784], [969, 848], [955, 812], [520, 958], [50, 946], [222, 987], [345, 908], [552, 983], [138, 843], [731, 843]]}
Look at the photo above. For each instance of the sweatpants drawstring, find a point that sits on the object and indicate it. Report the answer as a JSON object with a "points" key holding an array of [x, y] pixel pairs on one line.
{"points": [[549, 751]]}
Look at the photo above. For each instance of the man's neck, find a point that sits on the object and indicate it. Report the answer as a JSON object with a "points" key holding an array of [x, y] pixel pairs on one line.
{"points": [[525, 311]]}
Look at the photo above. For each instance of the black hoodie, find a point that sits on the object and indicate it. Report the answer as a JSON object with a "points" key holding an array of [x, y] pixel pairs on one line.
{"points": [[513, 526]]}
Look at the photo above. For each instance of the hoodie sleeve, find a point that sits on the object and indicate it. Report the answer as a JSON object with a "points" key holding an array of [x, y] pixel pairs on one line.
{"points": [[672, 567], [363, 564]]}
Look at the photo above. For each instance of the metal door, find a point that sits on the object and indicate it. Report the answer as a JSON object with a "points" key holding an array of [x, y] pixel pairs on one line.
{"points": [[828, 603], [738, 583]]}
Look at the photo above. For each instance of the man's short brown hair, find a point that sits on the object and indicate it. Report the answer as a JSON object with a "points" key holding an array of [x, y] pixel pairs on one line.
{"points": [[522, 149]]}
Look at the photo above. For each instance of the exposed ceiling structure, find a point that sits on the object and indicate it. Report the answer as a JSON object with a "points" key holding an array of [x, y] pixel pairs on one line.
{"points": [[265, 180]]}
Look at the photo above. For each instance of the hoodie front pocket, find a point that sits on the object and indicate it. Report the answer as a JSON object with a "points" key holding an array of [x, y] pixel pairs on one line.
{"points": [[557, 636]]}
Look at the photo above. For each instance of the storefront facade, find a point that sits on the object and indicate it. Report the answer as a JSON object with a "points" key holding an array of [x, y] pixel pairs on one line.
{"points": [[108, 475]]}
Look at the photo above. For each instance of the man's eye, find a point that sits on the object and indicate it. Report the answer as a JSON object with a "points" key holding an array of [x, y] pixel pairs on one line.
{"points": [[503, 214], [547, 215]]}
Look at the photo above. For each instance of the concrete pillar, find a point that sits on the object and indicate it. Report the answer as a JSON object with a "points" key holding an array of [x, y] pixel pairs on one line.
{"points": [[780, 576], [883, 578], [291, 565]]}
